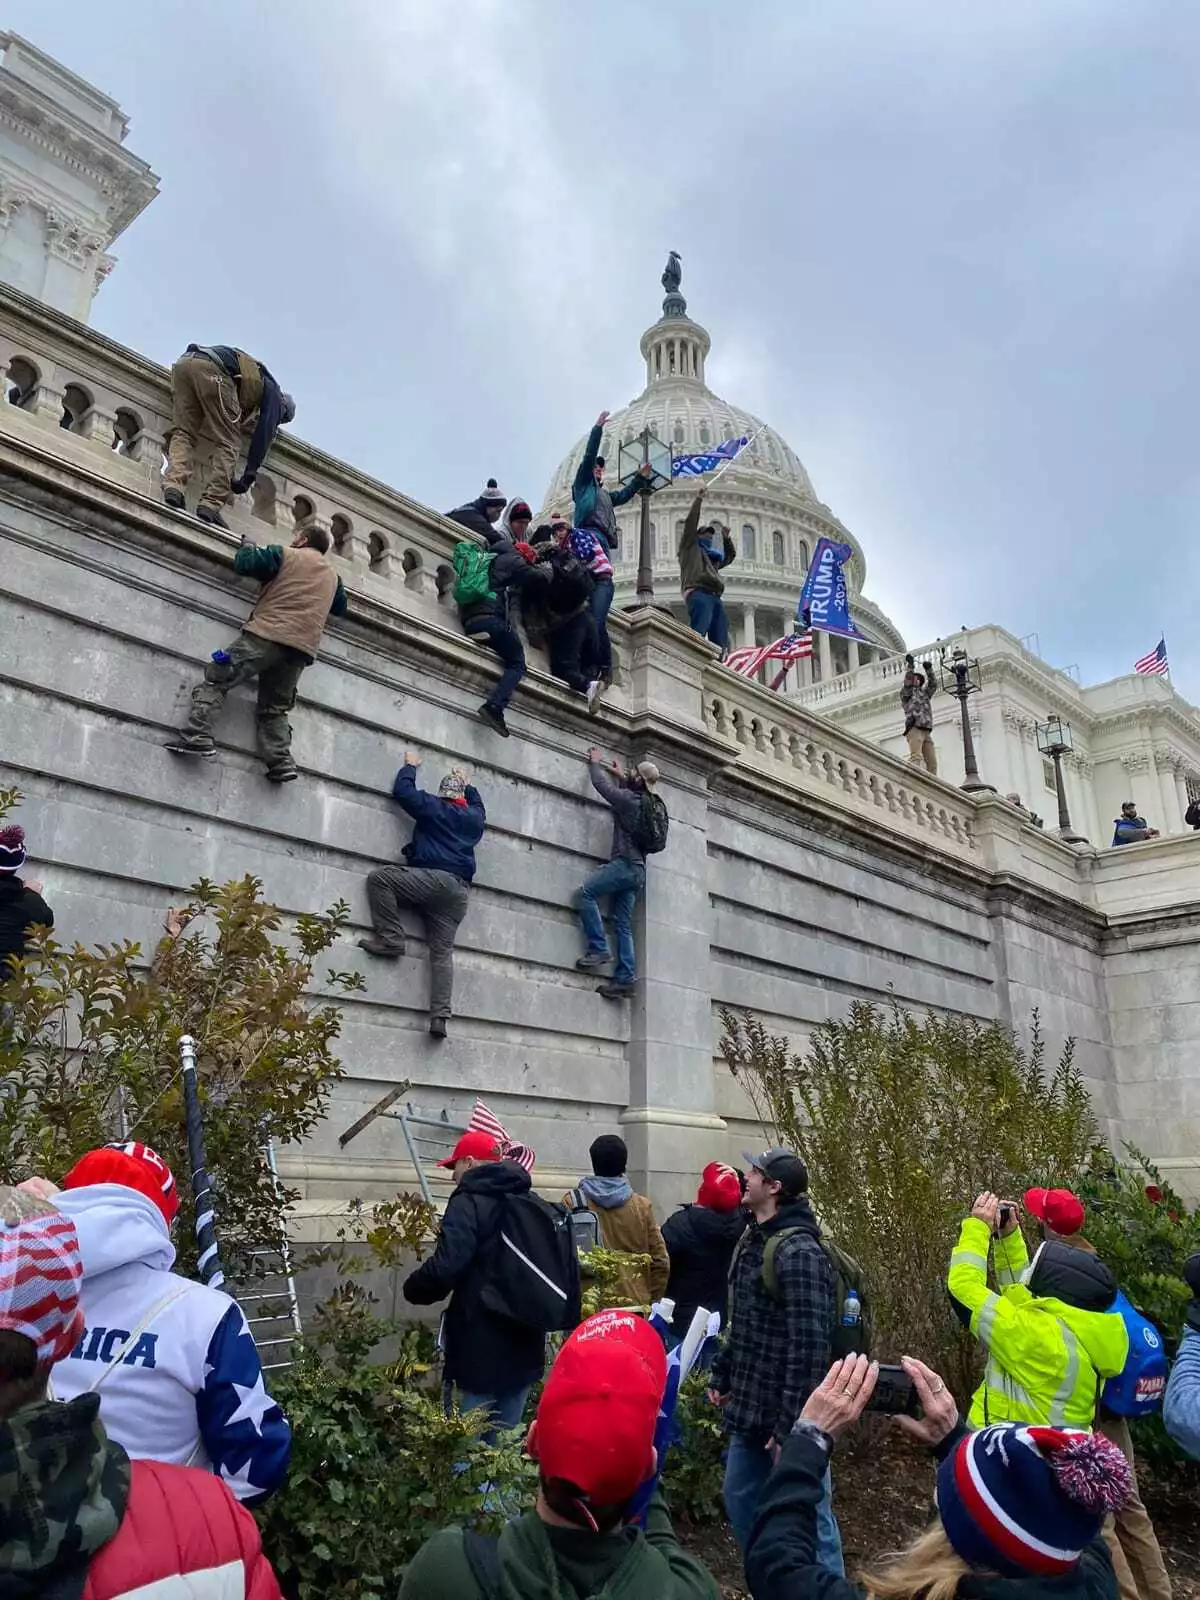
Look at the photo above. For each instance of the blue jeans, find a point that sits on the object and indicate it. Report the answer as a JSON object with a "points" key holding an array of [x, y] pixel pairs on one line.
{"points": [[747, 1468], [706, 613], [621, 881], [602, 599], [506, 642], [506, 1410]]}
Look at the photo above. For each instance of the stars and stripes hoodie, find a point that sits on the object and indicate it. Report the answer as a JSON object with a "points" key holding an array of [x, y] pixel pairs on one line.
{"points": [[173, 1362]]}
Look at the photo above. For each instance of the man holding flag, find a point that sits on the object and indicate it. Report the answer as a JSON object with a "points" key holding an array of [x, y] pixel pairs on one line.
{"points": [[703, 554]]}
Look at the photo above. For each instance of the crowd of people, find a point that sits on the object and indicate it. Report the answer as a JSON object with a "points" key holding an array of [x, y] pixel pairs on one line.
{"points": [[136, 1425]]}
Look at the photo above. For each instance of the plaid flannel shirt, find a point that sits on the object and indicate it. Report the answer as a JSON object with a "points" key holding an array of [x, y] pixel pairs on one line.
{"points": [[774, 1356]]}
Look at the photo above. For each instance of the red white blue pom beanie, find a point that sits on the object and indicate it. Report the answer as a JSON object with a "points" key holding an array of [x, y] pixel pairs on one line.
{"points": [[12, 848], [1015, 1499]]}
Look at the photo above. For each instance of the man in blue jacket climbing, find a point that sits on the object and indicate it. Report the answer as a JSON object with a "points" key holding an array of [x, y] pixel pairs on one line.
{"points": [[436, 881]]}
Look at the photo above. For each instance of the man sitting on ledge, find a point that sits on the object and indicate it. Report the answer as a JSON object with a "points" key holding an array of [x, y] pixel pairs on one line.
{"points": [[1130, 828]]}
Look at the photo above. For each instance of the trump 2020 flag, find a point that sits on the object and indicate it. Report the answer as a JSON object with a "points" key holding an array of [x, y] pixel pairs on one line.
{"points": [[707, 461], [824, 602]]}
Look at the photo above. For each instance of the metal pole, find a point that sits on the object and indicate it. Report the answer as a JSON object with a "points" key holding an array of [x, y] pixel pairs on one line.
{"points": [[971, 780], [645, 577], [209, 1263], [1065, 831]]}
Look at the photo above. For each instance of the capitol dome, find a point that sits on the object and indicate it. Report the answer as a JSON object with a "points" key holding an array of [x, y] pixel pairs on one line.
{"points": [[766, 497]]}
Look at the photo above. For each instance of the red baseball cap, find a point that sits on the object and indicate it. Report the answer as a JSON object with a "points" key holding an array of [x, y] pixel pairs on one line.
{"points": [[483, 1146], [134, 1165], [1059, 1209], [597, 1415]]}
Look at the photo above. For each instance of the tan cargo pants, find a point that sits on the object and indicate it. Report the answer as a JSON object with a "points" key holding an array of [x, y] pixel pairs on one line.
{"points": [[1137, 1560], [204, 411], [921, 748]]}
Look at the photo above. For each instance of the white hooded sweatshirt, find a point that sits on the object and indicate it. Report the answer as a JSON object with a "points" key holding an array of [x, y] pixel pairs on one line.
{"points": [[173, 1361]]}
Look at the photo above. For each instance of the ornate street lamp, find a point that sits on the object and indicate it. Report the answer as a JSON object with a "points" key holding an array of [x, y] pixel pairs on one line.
{"points": [[962, 678], [648, 458], [1054, 740]]}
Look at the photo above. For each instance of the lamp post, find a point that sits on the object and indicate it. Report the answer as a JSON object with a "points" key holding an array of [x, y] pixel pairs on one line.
{"points": [[961, 677], [1054, 739], [645, 457]]}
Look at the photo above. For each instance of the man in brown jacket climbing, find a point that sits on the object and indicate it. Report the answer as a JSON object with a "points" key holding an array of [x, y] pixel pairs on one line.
{"points": [[219, 395], [626, 1220], [280, 638]]}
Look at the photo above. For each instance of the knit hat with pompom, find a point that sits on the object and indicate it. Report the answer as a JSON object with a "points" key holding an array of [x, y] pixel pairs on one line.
{"points": [[1016, 1500], [12, 848], [491, 495]]}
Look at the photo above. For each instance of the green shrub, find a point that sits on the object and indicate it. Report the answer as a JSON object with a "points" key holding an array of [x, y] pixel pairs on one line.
{"points": [[902, 1122]]}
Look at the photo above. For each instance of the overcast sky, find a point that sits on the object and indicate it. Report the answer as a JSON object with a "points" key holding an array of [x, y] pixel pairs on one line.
{"points": [[950, 252]]}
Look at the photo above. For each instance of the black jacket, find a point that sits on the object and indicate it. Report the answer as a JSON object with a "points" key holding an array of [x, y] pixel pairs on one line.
{"points": [[474, 517], [781, 1555], [508, 574], [20, 909], [700, 1243], [485, 1352]]}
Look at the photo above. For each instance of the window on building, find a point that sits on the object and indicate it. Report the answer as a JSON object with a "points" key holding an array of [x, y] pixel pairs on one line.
{"points": [[804, 556], [777, 553], [1048, 775], [705, 434], [749, 543], [677, 432]]}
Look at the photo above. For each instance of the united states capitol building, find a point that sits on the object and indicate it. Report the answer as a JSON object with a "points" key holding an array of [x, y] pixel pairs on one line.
{"points": [[808, 865]]}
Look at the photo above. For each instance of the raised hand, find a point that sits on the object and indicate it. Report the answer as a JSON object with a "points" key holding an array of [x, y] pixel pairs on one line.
{"points": [[938, 1404]]}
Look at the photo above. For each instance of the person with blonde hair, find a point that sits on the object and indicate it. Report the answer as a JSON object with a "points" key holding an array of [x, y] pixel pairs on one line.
{"points": [[1019, 1508]]}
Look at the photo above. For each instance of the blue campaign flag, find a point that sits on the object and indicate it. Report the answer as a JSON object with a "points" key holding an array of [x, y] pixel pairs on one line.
{"points": [[695, 466], [824, 602], [680, 1361]]}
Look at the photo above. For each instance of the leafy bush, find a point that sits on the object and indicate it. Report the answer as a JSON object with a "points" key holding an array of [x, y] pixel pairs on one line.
{"points": [[694, 1473], [902, 1123], [376, 1464], [90, 1050]]}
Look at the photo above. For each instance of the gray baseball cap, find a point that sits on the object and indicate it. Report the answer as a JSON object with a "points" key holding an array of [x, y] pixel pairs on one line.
{"points": [[781, 1166]]}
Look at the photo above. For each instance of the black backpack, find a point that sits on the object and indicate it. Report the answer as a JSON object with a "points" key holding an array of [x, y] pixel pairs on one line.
{"points": [[649, 831], [570, 583], [534, 1277]]}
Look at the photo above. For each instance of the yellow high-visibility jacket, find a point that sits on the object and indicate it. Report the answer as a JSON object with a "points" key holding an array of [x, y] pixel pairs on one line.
{"points": [[1047, 1360]]}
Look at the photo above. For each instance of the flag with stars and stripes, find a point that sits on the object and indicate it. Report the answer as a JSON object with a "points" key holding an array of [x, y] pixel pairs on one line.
{"points": [[1156, 662], [485, 1121], [792, 647]]}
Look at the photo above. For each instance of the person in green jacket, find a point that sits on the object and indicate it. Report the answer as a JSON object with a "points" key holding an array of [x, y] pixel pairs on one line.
{"points": [[1050, 1333], [703, 554], [593, 1441]]}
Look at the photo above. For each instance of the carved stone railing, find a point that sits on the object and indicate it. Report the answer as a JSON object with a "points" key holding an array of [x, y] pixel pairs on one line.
{"points": [[777, 738], [72, 394]]}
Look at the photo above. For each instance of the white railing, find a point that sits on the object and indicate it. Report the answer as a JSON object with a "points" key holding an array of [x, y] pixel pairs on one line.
{"points": [[778, 738]]}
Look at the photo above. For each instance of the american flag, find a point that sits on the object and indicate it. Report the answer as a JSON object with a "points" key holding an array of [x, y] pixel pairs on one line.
{"points": [[485, 1121], [792, 647], [1156, 662]]}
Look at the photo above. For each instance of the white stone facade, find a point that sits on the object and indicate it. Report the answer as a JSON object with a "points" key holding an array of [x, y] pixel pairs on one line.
{"points": [[1135, 738], [67, 185], [766, 498]]}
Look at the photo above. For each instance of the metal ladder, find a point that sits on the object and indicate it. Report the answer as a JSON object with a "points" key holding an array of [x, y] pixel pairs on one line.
{"points": [[272, 1294], [427, 1139]]}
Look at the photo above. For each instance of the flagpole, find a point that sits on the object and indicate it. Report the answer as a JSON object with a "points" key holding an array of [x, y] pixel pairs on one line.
{"points": [[725, 465], [209, 1263]]}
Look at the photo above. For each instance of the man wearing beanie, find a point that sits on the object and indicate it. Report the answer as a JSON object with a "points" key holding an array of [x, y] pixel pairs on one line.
{"points": [[483, 513], [1019, 1508], [172, 1361], [1181, 1407], [80, 1518], [593, 1441], [1050, 1332], [700, 1240], [21, 904], [436, 881], [627, 1221], [300, 592], [629, 794]]}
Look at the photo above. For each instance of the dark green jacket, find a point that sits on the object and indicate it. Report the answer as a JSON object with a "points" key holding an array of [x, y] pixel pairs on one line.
{"points": [[538, 1562], [593, 505]]}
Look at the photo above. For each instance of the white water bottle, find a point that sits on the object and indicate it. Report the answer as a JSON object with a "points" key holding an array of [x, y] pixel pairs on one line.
{"points": [[851, 1309]]}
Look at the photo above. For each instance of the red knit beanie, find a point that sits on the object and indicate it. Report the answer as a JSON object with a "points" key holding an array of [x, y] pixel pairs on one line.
{"points": [[719, 1188]]}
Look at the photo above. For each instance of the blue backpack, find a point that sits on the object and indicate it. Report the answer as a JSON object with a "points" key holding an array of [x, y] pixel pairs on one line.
{"points": [[1137, 1390]]}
